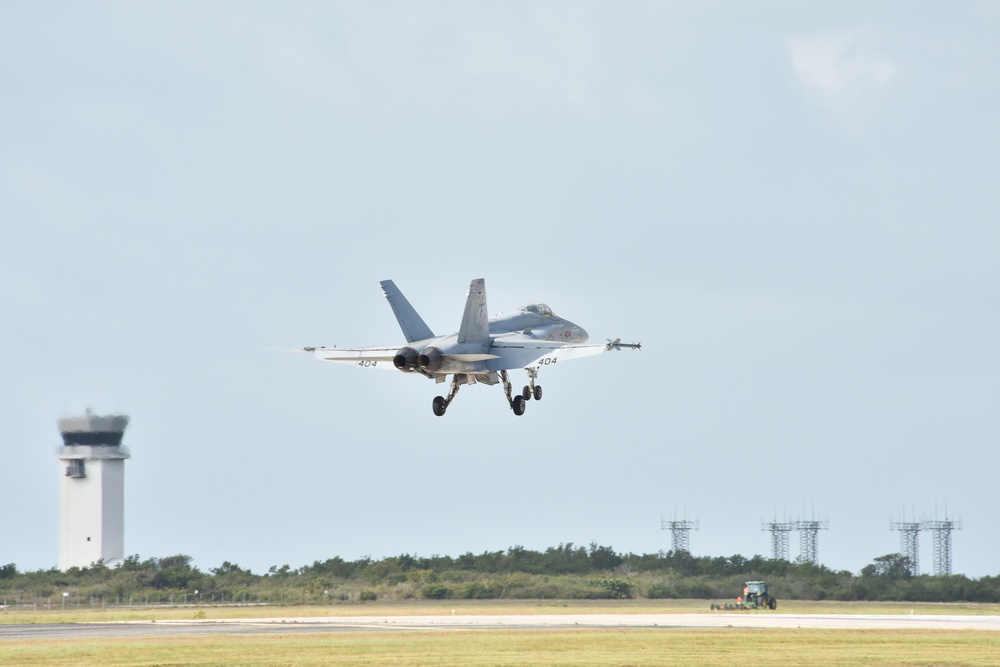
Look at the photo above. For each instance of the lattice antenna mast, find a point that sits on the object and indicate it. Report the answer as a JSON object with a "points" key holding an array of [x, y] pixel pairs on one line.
{"points": [[680, 532], [779, 536], [909, 542], [942, 542], [809, 539]]}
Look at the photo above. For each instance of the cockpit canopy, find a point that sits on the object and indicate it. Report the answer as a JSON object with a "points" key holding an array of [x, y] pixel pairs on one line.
{"points": [[538, 309]]}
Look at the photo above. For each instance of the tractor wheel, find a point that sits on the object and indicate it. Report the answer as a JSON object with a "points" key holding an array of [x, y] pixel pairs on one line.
{"points": [[712, 606], [772, 604]]}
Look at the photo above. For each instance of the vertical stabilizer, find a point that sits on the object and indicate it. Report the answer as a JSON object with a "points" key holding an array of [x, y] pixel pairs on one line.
{"points": [[475, 322], [412, 325]]}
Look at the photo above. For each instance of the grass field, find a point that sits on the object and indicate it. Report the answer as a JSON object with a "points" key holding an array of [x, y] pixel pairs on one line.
{"points": [[632, 648], [473, 648]]}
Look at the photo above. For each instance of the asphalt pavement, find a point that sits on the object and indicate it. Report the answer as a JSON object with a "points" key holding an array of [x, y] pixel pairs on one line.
{"points": [[132, 629]]}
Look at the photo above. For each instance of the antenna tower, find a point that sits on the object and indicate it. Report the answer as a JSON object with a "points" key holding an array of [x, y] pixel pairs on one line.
{"points": [[942, 542], [680, 532], [779, 536], [809, 538], [909, 533]]}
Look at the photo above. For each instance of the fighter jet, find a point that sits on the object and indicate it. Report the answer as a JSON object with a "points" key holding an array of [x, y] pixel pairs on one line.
{"points": [[481, 351]]}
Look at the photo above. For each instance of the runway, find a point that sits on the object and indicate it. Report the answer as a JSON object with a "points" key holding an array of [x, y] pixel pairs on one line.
{"points": [[327, 624]]}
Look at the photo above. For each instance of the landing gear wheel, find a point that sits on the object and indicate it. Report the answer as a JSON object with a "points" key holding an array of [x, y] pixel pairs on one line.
{"points": [[518, 405], [526, 393], [440, 405], [538, 393]]}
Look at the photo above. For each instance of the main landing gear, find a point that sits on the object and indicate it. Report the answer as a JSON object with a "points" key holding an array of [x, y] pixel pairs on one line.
{"points": [[440, 403]]}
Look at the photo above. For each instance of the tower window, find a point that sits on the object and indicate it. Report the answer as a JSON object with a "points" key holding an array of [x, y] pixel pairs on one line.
{"points": [[75, 468]]}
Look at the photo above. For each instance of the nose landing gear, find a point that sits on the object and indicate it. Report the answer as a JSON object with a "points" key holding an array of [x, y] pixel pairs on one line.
{"points": [[530, 389]]}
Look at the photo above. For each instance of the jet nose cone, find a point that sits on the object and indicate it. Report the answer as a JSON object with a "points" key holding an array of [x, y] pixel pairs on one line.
{"points": [[581, 335]]}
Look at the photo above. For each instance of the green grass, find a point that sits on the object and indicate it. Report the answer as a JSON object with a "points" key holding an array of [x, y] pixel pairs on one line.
{"points": [[562, 648]]}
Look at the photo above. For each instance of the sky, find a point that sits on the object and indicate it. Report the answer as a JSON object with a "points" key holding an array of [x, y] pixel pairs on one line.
{"points": [[793, 206]]}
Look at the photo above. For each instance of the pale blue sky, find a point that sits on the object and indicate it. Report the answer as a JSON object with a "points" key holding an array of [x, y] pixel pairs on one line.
{"points": [[793, 205]]}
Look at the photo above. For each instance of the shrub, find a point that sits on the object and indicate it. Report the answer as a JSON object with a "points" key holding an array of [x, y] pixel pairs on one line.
{"points": [[662, 591], [617, 588], [436, 592], [478, 590]]}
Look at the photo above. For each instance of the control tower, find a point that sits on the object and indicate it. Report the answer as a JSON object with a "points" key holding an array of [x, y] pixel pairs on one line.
{"points": [[92, 490]]}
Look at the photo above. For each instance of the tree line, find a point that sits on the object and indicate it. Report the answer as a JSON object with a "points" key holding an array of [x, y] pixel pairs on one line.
{"points": [[566, 571]]}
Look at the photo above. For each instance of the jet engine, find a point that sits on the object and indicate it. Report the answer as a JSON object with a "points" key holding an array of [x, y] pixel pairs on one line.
{"points": [[430, 359], [405, 360]]}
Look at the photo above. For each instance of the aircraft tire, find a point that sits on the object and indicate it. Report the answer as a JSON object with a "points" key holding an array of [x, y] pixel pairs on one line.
{"points": [[518, 405], [538, 393], [439, 406], [526, 393]]}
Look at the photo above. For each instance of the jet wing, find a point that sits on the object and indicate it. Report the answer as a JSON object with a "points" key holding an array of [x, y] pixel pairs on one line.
{"points": [[365, 357], [523, 354]]}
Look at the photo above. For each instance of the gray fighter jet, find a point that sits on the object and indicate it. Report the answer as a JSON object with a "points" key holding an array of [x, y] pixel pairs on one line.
{"points": [[483, 349]]}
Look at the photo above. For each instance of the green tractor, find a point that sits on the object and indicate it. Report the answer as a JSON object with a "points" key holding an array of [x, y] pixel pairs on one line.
{"points": [[755, 596]]}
